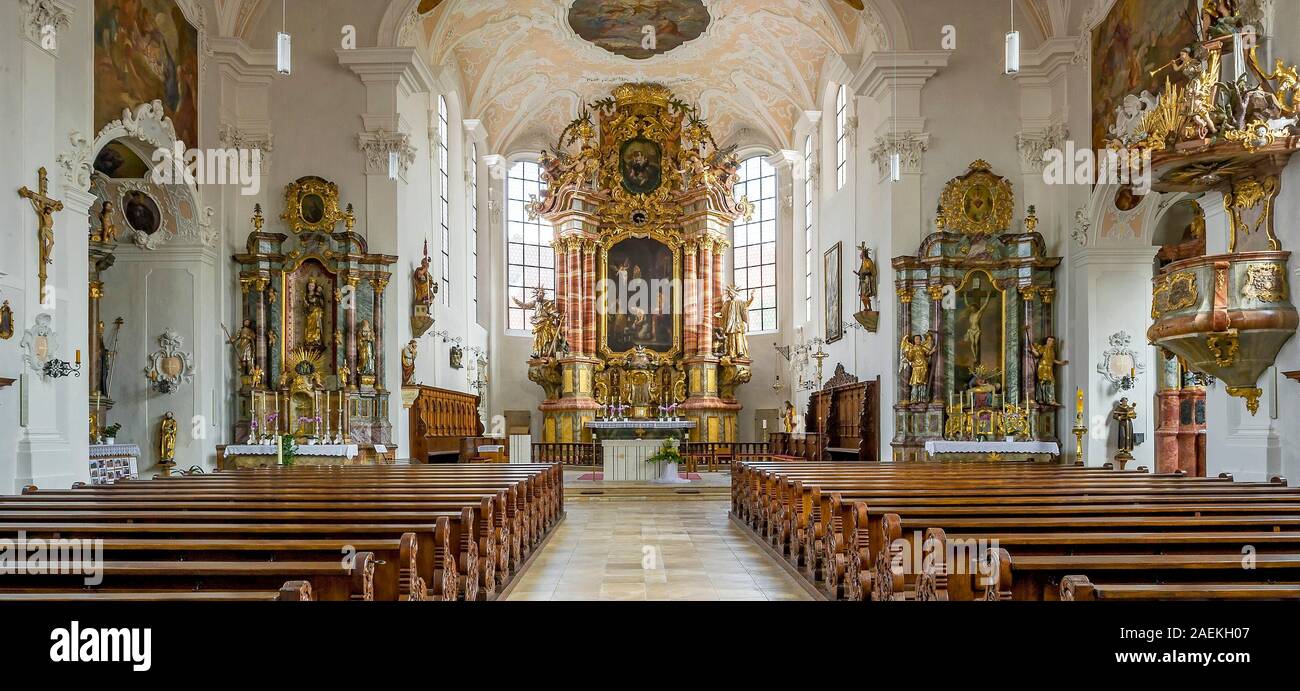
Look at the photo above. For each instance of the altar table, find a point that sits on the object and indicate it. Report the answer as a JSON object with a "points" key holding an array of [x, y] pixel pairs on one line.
{"points": [[626, 444], [262, 455], [990, 450]]}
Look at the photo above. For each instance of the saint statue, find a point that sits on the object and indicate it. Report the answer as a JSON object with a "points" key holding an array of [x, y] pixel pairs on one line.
{"points": [[424, 286], [787, 418], [547, 323], [365, 348], [314, 327], [1124, 413], [915, 353], [735, 322], [408, 361], [866, 274], [1047, 363], [243, 342], [167, 440]]}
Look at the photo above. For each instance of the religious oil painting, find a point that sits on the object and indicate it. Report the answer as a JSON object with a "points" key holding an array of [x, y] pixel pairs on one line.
{"points": [[1136, 38], [141, 212], [641, 164], [834, 293], [638, 29], [145, 50], [640, 302]]}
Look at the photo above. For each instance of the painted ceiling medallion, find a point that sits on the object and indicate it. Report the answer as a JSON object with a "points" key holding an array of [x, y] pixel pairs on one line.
{"points": [[638, 29]]}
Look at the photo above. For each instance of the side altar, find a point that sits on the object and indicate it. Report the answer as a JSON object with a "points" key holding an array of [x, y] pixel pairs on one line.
{"points": [[642, 199], [310, 349], [978, 355]]}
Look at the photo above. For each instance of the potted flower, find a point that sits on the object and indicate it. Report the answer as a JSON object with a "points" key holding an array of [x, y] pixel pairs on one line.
{"points": [[287, 449], [110, 433], [669, 455]]}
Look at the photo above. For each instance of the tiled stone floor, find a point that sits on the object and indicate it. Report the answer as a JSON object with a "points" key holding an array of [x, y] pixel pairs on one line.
{"points": [[653, 550]]}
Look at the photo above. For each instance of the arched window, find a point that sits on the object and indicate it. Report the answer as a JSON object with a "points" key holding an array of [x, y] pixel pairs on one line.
{"points": [[841, 137], [530, 261], [444, 220], [473, 225], [809, 242], [753, 258]]}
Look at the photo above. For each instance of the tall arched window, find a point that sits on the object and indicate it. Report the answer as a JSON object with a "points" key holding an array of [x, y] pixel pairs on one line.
{"points": [[753, 258], [473, 224], [841, 137], [530, 261], [809, 242], [444, 220]]}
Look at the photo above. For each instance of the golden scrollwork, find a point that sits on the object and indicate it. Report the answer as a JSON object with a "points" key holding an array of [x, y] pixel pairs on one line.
{"points": [[1265, 282], [1174, 292], [1223, 346], [977, 202], [1251, 195], [311, 204], [1250, 393]]}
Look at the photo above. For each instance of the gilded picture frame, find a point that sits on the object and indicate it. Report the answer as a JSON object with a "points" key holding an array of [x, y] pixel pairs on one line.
{"points": [[608, 312], [311, 205], [832, 292], [977, 202]]}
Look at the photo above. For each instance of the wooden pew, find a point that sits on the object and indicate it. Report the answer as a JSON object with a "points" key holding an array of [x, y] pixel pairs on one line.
{"points": [[291, 591]]}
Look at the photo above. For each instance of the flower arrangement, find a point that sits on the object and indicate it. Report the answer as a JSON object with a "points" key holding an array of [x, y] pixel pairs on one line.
{"points": [[288, 447], [668, 453], [112, 430]]}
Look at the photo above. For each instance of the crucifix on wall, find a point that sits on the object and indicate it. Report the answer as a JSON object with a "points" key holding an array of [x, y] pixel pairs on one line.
{"points": [[45, 208]]}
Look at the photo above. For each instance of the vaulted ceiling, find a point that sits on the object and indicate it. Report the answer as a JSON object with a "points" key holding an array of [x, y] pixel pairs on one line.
{"points": [[525, 70]]}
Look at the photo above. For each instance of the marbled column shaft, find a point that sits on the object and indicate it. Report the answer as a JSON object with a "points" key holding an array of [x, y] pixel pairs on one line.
{"points": [[379, 284], [589, 297], [718, 282], [692, 306]]}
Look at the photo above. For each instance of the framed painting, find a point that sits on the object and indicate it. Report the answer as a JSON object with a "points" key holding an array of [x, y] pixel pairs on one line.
{"points": [[640, 300], [641, 164], [833, 293], [641, 29], [146, 50]]}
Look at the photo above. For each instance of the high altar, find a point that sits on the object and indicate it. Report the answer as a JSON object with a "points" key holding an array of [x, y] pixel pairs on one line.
{"points": [[641, 199], [310, 348], [977, 357]]}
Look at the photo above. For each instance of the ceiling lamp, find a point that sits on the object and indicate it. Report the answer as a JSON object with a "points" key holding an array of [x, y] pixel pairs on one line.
{"points": [[1013, 44], [283, 45]]}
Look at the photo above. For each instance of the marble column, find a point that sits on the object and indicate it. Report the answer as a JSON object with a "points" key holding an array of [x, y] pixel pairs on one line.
{"points": [[260, 287], [574, 275], [691, 308], [1028, 295], [938, 372], [718, 282], [905, 328], [589, 295]]}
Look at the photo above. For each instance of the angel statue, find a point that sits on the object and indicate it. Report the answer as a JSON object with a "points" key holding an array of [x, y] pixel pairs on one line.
{"points": [[915, 353], [1046, 371], [735, 322], [547, 323], [243, 343]]}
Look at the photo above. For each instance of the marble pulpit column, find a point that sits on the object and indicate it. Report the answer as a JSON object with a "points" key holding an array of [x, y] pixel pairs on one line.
{"points": [[692, 305], [589, 295]]}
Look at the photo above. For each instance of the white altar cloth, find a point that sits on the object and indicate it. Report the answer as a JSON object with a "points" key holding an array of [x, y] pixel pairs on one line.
{"points": [[1018, 447], [348, 451]]}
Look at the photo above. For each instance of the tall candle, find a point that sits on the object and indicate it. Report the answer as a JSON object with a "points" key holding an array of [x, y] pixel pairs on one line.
{"points": [[1078, 396]]}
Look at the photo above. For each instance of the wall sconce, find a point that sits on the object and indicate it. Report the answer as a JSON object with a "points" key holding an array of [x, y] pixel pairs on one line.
{"points": [[57, 369]]}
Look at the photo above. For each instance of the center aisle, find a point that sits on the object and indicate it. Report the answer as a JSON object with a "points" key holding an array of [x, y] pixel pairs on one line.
{"points": [[653, 550]]}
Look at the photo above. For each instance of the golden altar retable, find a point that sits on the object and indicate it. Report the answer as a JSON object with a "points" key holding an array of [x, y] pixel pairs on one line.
{"points": [[641, 198]]}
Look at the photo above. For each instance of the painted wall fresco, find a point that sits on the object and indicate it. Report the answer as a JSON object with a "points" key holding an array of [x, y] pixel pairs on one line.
{"points": [[619, 26]]}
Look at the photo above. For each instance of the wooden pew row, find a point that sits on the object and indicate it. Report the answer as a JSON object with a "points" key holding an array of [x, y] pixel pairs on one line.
{"points": [[330, 580], [291, 591], [433, 553], [1079, 588], [374, 500], [759, 496]]}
